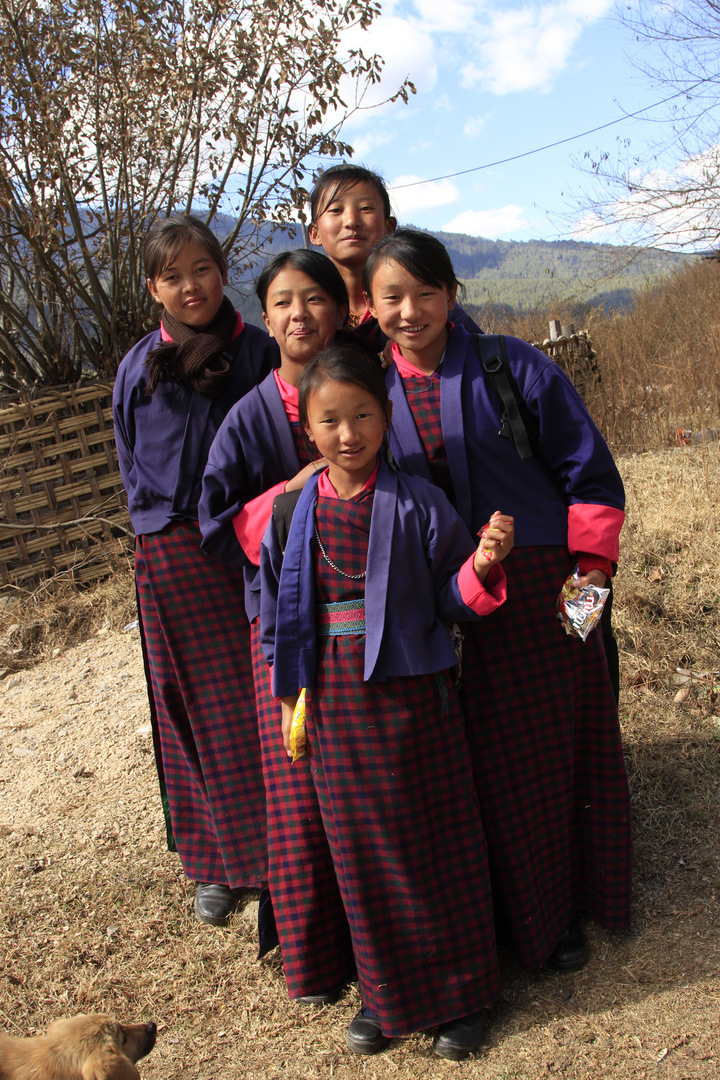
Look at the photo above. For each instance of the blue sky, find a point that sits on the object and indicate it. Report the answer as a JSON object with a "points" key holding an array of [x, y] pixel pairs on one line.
{"points": [[494, 80]]}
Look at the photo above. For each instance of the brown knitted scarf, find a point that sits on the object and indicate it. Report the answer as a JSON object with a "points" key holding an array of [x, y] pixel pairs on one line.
{"points": [[193, 355]]}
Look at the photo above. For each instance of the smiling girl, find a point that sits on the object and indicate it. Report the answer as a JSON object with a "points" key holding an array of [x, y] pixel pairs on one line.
{"points": [[542, 715], [172, 392], [349, 213], [259, 453], [374, 561]]}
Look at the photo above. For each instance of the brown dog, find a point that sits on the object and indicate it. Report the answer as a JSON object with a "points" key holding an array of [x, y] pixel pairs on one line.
{"points": [[81, 1048]]}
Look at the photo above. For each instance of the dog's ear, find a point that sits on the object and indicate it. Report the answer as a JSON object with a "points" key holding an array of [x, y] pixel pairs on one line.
{"points": [[109, 1064]]}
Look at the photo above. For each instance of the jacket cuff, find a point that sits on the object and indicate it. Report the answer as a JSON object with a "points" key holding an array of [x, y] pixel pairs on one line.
{"points": [[486, 598], [595, 529]]}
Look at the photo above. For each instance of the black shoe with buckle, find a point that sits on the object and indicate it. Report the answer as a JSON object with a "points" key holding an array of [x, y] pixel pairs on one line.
{"points": [[365, 1036], [571, 952], [457, 1039], [214, 904]]}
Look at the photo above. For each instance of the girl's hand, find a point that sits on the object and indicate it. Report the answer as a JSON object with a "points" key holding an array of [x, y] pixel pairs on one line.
{"points": [[288, 708], [595, 577], [496, 541], [301, 478]]}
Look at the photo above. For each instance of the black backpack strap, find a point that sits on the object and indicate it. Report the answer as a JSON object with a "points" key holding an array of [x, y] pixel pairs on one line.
{"points": [[518, 423], [282, 514]]}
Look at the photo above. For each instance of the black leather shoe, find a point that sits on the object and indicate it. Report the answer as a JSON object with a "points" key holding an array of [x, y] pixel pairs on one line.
{"points": [[365, 1036], [328, 997], [571, 952], [214, 904], [459, 1038]]}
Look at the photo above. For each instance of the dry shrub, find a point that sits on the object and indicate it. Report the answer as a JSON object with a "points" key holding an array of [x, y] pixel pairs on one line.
{"points": [[668, 591], [531, 325], [659, 361], [666, 617], [37, 623]]}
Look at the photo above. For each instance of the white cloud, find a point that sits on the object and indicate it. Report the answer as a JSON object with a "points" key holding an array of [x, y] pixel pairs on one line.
{"points": [[408, 201], [492, 46], [406, 47], [489, 223], [526, 48], [364, 144], [473, 126], [592, 227], [448, 17]]}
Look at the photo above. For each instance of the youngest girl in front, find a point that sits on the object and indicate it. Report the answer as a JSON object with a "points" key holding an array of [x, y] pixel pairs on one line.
{"points": [[374, 561]]}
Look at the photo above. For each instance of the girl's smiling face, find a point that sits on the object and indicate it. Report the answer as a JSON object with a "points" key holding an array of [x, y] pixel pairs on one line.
{"points": [[411, 313], [191, 287], [301, 316], [351, 223], [347, 425]]}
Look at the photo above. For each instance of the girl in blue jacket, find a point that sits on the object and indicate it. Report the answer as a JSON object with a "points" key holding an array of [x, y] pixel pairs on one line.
{"points": [[352, 613], [172, 392], [542, 717]]}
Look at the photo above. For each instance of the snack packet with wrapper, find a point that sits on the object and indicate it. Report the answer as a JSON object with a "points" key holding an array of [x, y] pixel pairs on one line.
{"points": [[298, 740], [579, 607]]}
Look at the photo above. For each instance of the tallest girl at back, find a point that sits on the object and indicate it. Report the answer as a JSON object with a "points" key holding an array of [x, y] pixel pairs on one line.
{"points": [[542, 717]]}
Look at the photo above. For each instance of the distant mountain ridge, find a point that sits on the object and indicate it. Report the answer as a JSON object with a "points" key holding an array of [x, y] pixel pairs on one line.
{"points": [[522, 275]]}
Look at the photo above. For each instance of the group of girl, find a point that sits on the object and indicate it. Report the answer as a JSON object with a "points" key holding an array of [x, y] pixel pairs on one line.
{"points": [[336, 503]]}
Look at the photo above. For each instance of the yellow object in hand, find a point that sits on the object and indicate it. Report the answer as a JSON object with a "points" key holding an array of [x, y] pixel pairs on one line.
{"points": [[298, 740]]}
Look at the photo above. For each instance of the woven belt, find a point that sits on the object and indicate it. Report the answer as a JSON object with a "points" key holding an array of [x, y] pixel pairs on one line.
{"points": [[346, 618]]}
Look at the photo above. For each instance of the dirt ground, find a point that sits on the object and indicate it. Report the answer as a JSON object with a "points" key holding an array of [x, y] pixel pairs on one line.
{"points": [[95, 914]]}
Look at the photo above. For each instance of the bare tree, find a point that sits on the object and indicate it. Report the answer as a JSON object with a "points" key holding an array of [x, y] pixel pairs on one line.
{"points": [[670, 196], [115, 113]]}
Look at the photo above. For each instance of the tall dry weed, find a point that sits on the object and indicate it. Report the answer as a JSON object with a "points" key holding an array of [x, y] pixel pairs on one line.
{"points": [[659, 362]]}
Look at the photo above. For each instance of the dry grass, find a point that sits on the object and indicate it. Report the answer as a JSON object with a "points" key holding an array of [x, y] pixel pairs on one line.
{"points": [[95, 915], [660, 361], [36, 623]]}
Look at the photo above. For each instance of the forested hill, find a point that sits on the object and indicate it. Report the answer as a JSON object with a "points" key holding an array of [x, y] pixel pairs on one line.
{"points": [[474, 257], [532, 273], [523, 275]]}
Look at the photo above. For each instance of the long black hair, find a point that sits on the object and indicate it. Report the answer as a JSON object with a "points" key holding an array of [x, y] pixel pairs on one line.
{"points": [[168, 237], [340, 178], [344, 364], [421, 254], [318, 267]]}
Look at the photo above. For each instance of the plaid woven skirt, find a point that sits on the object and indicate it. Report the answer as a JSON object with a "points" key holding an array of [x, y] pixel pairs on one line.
{"points": [[542, 722], [197, 651], [309, 913]]}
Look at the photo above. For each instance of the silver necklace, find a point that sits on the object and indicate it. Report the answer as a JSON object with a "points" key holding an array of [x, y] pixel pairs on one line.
{"points": [[328, 560]]}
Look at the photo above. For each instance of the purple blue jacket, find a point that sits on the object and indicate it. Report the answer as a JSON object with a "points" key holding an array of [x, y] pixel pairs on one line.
{"points": [[570, 493], [163, 441], [253, 451], [416, 548]]}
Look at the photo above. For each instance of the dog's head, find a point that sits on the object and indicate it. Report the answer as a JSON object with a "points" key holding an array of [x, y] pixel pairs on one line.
{"points": [[100, 1048]]}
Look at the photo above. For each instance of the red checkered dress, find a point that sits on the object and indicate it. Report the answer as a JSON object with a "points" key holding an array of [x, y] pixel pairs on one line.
{"points": [[309, 913], [390, 766], [543, 725], [197, 653], [423, 397], [301, 449], [548, 761]]}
